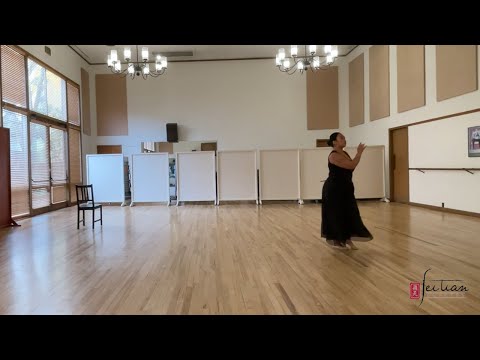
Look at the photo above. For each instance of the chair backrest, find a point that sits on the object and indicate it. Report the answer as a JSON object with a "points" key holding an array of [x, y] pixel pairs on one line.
{"points": [[84, 194]]}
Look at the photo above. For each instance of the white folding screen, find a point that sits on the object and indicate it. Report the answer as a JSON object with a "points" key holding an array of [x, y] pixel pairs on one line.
{"points": [[279, 175], [284, 175], [313, 172], [106, 173], [150, 181], [300, 174], [196, 176], [237, 175]]}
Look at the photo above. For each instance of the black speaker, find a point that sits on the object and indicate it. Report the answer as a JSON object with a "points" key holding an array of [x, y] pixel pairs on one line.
{"points": [[172, 133]]}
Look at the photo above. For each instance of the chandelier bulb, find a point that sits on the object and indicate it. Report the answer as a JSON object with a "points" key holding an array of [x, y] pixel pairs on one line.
{"points": [[294, 50], [334, 52], [127, 54], [145, 54]]}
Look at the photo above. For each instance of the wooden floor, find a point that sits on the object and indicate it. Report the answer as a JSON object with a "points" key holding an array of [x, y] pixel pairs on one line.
{"points": [[235, 259]]}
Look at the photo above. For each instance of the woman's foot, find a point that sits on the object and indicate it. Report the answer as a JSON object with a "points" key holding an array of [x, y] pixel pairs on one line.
{"points": [[339, 244], [362, 239], [352, 245]]}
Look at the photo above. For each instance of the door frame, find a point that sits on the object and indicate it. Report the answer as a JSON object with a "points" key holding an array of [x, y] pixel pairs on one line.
{"points": [[390, 162]]}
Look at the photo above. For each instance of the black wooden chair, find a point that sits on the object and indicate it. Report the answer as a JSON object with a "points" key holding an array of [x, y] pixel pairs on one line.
{"points": [[85, 201]]}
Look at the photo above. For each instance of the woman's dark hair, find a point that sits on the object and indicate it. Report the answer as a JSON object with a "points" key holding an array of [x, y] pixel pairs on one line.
{"points": [[333, 137]]}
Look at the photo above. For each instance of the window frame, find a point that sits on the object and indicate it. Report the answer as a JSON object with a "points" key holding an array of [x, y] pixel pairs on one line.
{"points": [[33, 116]]}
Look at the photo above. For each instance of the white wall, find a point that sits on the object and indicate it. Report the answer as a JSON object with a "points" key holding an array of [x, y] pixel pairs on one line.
{"points": [[453, 132], [64, 60], [444, 144], [240, 104]]}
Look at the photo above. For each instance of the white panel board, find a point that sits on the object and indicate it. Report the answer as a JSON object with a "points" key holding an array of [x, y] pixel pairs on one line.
{"points": [[279, 175], [106, 174], [150, 177], [196, 176], [313, 172], [237, 175]]}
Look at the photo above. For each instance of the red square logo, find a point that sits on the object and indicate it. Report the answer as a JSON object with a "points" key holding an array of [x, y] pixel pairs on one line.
{"points": [[415, 290]]}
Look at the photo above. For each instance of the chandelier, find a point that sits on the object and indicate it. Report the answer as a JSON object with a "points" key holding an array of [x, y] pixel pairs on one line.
{"points": [[136, 68], [308, 61]]}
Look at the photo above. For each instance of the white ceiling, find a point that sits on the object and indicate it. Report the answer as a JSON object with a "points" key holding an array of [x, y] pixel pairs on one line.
{"points": [[97, 54]]}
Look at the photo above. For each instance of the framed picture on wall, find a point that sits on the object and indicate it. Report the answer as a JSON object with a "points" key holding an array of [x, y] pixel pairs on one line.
{"points": [[474, 141]]}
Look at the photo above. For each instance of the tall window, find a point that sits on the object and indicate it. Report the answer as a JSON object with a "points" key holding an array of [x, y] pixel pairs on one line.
{"points": [[58, 160], [17, 123], [37, 87], [42, 110], [73, 95], [14, 95], [48, 94], [14, 90], [39, 148], [75, 150], [56, 96]]}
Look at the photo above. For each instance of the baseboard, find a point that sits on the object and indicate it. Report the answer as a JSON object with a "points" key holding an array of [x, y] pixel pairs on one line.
{"points": [[447, 210]]}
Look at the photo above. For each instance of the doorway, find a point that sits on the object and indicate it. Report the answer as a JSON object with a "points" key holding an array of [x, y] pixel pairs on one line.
{"points": [[49, 174], [109, 149], [399, 165]]}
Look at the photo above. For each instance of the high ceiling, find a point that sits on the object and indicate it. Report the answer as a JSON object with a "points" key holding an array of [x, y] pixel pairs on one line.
{"points": [[97, 54]]}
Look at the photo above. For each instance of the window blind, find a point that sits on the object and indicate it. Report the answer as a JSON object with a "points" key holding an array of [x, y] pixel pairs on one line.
{"points": [[14, 89], [17, 123]]}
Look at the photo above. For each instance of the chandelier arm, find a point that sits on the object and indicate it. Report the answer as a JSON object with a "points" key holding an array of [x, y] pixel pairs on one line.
{"points": [[295, 62], [302, 57], [112, 69], [294, 68], [157, 73], [324, 67]]}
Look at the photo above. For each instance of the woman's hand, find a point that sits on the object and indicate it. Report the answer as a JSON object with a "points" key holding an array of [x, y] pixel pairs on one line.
{"points": [[360, 148]]}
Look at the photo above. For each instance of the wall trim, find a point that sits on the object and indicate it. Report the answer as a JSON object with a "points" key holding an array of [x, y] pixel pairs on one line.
{"points": [[437, 118], [445, 210]]}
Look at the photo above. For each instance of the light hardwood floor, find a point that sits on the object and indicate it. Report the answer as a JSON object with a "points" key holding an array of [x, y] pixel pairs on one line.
{"points": [[235, 259]]}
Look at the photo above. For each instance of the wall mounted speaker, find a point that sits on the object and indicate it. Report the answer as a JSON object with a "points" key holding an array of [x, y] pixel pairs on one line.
{"points": [[172, 133]]}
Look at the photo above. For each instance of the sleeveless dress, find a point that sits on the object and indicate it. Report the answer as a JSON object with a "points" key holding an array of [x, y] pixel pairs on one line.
{"points": [[340, 215]]}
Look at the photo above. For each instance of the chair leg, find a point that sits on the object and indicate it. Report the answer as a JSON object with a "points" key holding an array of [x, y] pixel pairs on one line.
{"points": [[83, 217], [93, 219], [101, 216], [78, 219]]}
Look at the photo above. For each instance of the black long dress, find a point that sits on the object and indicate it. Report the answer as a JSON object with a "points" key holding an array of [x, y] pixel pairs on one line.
{"points": [[340, 215]]}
